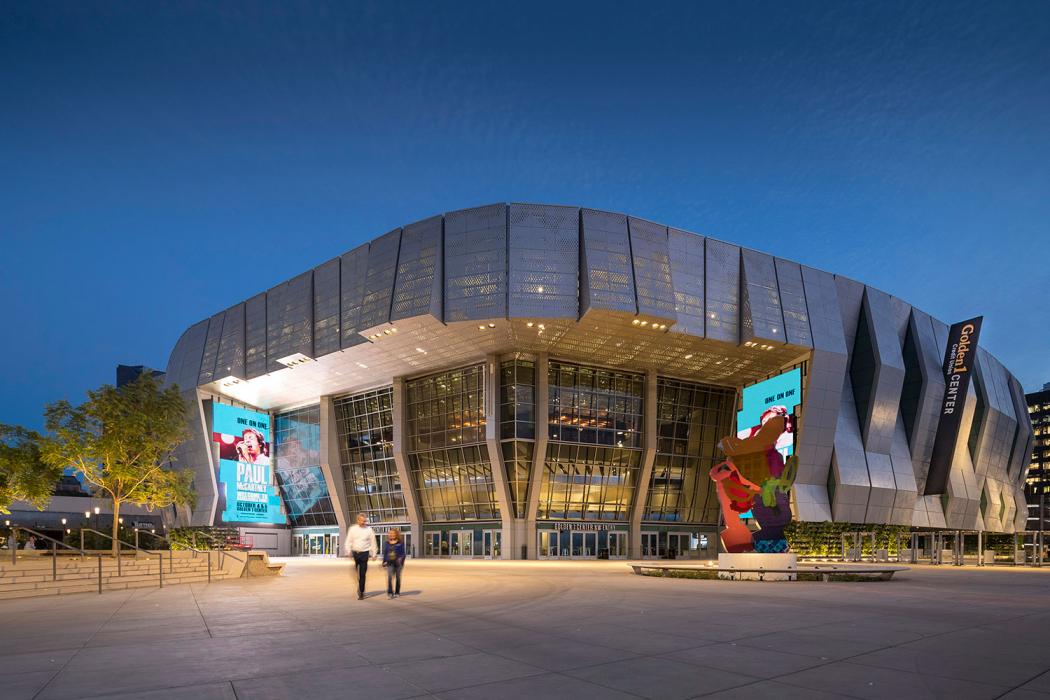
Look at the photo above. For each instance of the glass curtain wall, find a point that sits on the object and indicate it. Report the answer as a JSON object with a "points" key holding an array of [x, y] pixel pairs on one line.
{"points": [[297, 441], [446, 446], [594, 454], [690, 420], [518, 426], [366, 454]]}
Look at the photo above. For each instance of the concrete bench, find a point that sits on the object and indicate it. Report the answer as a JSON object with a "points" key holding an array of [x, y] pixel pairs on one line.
{"points": [[826, 573]]}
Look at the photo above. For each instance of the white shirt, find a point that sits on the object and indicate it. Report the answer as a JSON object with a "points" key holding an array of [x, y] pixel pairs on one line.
{"points": [[361, 539]]}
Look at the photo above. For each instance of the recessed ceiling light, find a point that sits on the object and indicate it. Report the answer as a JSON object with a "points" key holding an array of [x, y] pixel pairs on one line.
{"points": [[393, 330], [645, 323], [663, 326], [362, 365], [529, 324], [492, 325], [481, 327], [688, 357], [635, 322], [421, 350], [540, 290]]}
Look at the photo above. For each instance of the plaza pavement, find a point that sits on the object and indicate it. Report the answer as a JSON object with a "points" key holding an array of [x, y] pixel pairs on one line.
{"points": [[507, 630]]}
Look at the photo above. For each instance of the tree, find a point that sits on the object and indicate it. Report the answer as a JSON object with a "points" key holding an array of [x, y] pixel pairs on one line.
{"points": [[24, 476], [121, 440]]}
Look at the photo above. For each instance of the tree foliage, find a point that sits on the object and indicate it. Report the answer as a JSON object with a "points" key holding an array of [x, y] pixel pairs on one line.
{"points": [[24, 475], [121, 440]]}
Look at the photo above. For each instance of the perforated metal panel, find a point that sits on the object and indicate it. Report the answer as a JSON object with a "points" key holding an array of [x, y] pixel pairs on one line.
{"points": [[687, 278], [652, 268], [289, 320], [326, 308], [793, 301], [761, 316], [723, 291], [476, 263], [353, 268], [418, 287], [255, 336], [211, 348], [608, 279], [544, 262], [379, 280], [230, 360]]}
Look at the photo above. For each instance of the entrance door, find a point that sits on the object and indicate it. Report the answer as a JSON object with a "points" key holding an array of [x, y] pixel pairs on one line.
{"points": [[297, 546], [407, 537], [617, 545], [461, 543], [432, 544], [678, 545], [650, 545], [316, 545], [335, 545], [548, 544], [490, 543]]}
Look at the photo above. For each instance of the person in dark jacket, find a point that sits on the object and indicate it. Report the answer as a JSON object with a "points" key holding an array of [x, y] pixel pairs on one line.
{"points": [[393, 560]]}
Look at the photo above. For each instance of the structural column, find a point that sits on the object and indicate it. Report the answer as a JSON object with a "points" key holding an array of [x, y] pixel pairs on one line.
{"points": [[331, 467], [408, 489], [539, 455], [499, 471], [645, 474]]}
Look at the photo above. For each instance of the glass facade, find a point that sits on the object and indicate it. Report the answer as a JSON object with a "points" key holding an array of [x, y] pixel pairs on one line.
{"points": [[447, 453], [297, 439], [690, 420], [518, 426], [366, 453], [594, 454]]}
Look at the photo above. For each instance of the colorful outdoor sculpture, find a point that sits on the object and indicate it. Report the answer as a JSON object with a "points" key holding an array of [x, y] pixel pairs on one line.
{"points": [[756, 478]]}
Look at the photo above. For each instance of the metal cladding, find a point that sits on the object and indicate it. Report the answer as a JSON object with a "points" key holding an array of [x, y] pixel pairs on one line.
{"points": [[613, 290]]}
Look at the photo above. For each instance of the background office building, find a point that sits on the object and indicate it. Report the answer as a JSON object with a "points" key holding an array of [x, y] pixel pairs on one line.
{"points": [[547, 381], [1037, 486]]}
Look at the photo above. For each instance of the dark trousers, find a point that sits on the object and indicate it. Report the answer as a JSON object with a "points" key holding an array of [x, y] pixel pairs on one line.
{"points": [[361, 562], [393, 572]]}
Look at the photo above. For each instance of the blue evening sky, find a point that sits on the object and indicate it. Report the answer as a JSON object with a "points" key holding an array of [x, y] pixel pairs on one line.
{"points": [[160, 161]]}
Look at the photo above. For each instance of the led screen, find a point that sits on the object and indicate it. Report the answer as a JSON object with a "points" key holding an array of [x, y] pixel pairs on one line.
{"points": [[777, 395], [246, 480]]}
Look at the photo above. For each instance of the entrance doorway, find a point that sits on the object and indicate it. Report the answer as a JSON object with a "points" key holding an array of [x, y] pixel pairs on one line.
{"points": [[461, 543], [617, 545], [297, 546], [548, 544], [584, 545], [432, 545], [491, 543], [650, 545], [678, 545]]}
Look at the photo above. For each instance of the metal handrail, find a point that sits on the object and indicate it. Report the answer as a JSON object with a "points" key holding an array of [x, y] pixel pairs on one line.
{"points": [[222, 553], [160, 557], [13, 544]]}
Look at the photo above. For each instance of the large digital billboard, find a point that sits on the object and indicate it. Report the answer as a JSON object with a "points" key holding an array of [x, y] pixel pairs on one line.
{"points": [[246, 481], [776, 396]]}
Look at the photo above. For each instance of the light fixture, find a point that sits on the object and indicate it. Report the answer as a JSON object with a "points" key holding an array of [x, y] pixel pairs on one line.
{"points": [[97, 510], [63, 521], [635, 322], [481, 327], [294, 360], [540, 290], [688, 357], [87, 513], [529, 324], [393, 329], [362, 365], [492, 325], [663, 326], [645, 323], [421, 350], [387, 332]]}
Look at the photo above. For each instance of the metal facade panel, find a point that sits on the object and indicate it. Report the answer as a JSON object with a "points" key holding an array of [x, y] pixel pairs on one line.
{"points": [[418, 266], [903, 476], [544, 261], [687, 276], [823, 394], [652, 268], [184, 363], [605, 262], [476, 263], [849, 474], [230, 360], [289, 320], [927, 411], [255, 336], [850, 295], [1018, 463], [723, 291], [793, 301], [379, 279], [211, 348], [353, 268], [326, 308], [884, 401], [761, 316]]}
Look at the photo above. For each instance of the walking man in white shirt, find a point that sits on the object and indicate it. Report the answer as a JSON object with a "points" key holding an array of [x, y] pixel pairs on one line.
{"points": [[361, 545]]}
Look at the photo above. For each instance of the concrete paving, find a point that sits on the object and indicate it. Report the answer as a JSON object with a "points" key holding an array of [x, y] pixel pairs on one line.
{"points": [[507, 630]]}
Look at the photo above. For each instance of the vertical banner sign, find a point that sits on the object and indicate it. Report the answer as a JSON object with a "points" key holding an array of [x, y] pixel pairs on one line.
{"points": [[246, 479], [958, 365]]}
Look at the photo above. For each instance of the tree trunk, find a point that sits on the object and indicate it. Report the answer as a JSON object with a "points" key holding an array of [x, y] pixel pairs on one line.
{"points": [[116, 529]]}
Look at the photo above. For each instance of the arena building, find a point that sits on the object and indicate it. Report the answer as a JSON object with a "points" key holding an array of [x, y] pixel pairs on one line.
{"points": [[546, 381]]}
